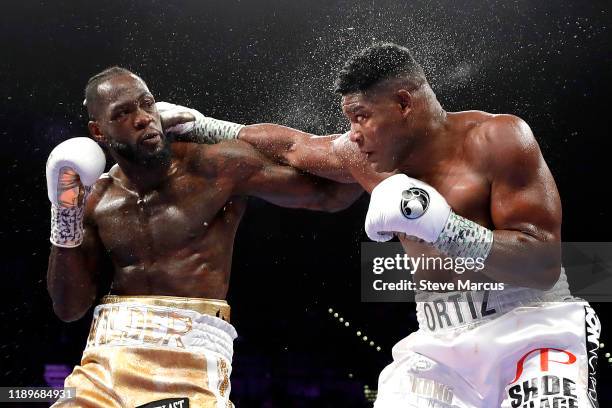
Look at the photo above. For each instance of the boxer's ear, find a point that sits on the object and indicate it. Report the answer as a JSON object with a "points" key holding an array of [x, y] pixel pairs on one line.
{"points": [[404, 98], [96, 132]]}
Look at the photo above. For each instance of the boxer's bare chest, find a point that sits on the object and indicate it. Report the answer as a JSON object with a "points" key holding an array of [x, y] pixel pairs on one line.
{"points": [[181, 215]]}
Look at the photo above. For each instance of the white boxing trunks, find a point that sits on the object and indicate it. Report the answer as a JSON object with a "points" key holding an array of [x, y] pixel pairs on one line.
{"points": [[154, 351], [520, 348]]}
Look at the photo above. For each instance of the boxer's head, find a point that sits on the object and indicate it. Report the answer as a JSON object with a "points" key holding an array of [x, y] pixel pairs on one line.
{"points": [[123, 117], [384, 93]]}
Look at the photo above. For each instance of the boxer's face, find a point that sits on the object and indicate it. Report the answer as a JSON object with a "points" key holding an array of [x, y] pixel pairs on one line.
{"points": [[378, 127], [127, 121]]}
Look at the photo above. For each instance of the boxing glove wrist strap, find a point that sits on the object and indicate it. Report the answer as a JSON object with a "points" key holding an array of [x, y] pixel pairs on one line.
{"points": [[67, 226], [463, 238]]}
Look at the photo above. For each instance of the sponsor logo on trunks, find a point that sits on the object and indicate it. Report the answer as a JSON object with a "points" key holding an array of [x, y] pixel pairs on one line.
{"points": [[544, 391], [417, 362], [592, 328], [430, 389], [544, 360], [415, 202], [547, 391], [449, 312], [167, 403]]}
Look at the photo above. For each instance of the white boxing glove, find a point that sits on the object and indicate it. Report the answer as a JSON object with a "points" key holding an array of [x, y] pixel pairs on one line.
{"points": [[72, 168], [406, 205], [201, 130]]}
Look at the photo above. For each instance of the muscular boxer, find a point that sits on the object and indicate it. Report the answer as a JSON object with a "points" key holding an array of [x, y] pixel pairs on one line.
{"points": [[161, 223], [485, 192]]}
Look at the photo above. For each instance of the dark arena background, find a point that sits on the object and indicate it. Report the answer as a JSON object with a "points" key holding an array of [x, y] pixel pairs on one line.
{"points": [[275, 61]]}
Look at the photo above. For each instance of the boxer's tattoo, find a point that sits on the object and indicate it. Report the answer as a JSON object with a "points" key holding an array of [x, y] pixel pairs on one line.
{"points": [[464, 238]]}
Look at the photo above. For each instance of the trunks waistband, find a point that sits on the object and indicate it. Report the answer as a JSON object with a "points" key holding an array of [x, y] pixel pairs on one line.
{"points": [[151, 321], [212, 307], [443, 311]]}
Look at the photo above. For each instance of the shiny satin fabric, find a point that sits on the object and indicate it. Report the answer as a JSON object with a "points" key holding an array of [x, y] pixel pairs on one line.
{"points": [[146, 349], [532, 356]]}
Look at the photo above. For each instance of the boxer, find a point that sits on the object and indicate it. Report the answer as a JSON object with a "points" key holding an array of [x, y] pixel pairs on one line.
{"points": [[459, 184], [161, 224]]}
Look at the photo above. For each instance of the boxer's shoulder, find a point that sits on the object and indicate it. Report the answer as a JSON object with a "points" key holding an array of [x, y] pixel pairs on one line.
{"points": [[486, 130], [504, 148], [499, 139], [97, 193], [231, 158], [505, 126], [104, 182]]}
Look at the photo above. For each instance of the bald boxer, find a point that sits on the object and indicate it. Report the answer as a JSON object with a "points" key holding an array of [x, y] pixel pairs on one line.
{"points": [[161, 225], [457, 184]]}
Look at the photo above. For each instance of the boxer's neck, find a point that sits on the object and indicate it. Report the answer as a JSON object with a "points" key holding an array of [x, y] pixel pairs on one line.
{"points": [[144, 178], [434, 143]]}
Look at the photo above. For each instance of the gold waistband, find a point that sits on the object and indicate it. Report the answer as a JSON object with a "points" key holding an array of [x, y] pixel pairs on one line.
{"points": [[211, 307]]}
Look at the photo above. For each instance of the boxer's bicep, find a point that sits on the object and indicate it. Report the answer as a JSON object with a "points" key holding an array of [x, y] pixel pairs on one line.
{"points": [[95, 256], [525, 211], [252, 173], [318, 155], [524, 196], [288, 187]]}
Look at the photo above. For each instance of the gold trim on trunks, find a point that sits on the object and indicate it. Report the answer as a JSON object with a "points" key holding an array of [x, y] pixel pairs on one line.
{"points": [[212, 307]]}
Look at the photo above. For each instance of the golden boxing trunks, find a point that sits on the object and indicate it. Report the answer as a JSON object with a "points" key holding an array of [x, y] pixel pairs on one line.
{"points": [[143, 349]]}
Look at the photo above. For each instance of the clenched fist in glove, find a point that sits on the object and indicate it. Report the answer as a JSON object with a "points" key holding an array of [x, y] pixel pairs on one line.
{"points": [[72, 168]]}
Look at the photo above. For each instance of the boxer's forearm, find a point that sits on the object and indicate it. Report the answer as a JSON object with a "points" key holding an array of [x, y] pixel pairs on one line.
{"points": [[515, 259], [190, 125], [521, 259], [70, 284], [528, 258], [274, 141]]}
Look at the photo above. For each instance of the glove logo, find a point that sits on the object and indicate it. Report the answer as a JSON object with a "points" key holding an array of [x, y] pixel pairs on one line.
{"points": [[415, 202]]}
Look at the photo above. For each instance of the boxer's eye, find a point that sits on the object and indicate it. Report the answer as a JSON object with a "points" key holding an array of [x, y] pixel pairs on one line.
{"points": [[120, 114]]}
